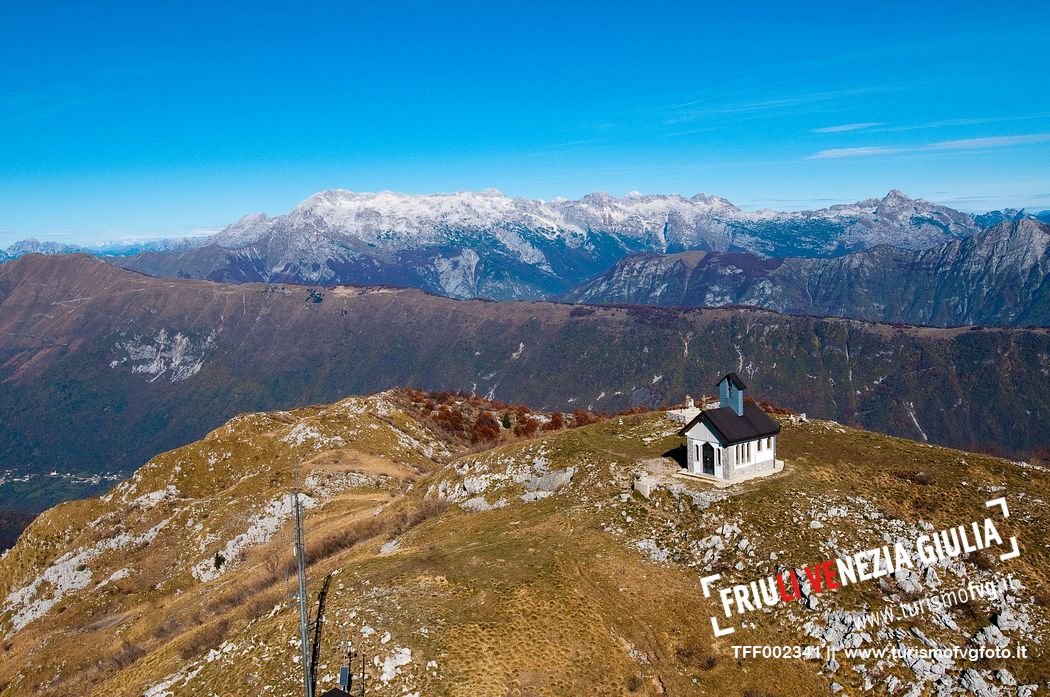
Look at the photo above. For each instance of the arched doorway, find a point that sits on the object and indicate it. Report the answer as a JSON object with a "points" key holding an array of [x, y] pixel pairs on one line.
{"points": [[709, 459]]}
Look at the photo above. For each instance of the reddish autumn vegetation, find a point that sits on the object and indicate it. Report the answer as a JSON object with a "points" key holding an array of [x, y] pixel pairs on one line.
{"points": [[582, 418], [448, 420], [486, 429], [768, 407], [526, 427], [634, 410], [476, 421]]}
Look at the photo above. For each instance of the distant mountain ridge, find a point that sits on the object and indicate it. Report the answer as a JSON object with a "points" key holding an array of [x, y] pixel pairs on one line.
{"points": [[487, 245], [106, 249], [998, 276], [991, 218]]}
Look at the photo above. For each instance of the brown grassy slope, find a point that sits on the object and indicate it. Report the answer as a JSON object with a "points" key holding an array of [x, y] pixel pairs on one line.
{"points": [[526, 599], [552, 597]]}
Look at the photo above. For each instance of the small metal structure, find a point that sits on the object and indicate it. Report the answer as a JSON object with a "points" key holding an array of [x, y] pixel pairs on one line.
{"points": [[346, 671], [311, 652], [346, 678], [304, 619]]}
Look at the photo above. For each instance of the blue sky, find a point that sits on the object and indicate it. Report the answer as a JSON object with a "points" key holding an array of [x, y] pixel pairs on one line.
{"points": [[131, 119]]}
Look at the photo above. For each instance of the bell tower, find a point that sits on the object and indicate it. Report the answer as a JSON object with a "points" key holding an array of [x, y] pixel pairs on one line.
{"points": [[731, 393]]}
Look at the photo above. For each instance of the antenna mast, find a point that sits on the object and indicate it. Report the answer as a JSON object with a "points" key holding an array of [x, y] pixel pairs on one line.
{"points": [[300, 562]]}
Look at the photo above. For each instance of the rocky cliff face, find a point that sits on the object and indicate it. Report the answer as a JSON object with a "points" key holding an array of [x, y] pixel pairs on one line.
{"points": [[487, 245], [104, 368], [996, 277]]}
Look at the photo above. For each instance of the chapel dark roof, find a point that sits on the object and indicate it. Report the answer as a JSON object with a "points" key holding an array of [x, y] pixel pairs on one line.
{"points": [[731, 428], [733, 378], [336, 692]]}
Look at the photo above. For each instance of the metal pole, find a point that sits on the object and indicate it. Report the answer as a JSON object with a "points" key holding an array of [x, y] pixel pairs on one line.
{"points": [[362, 673], [300, 561]]}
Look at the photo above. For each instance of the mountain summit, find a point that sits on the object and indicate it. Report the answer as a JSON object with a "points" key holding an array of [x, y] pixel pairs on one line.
{"points": [[516, 566]]}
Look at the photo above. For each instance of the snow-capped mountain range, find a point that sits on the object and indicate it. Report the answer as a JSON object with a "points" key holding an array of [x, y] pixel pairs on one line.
{"points": [[485, 244], [391, 220]]}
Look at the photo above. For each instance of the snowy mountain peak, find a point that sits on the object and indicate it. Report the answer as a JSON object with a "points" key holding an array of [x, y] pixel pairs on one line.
{"points": [[711, 200], [898, 196], [245, 231], [597, 198]]}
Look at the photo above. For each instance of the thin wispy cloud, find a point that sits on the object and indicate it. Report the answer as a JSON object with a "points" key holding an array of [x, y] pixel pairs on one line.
{"points": [[690, 132], [846, 127], [685, 112], [992, 142], [965, 144], [836, 153], [971, 121]]}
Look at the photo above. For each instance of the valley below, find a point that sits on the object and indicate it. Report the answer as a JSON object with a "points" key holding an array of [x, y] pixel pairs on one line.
{"points": [[102, 368]]}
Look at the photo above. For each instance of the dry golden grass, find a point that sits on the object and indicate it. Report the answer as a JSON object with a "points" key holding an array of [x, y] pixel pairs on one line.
{"points": [[530, 599]]}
